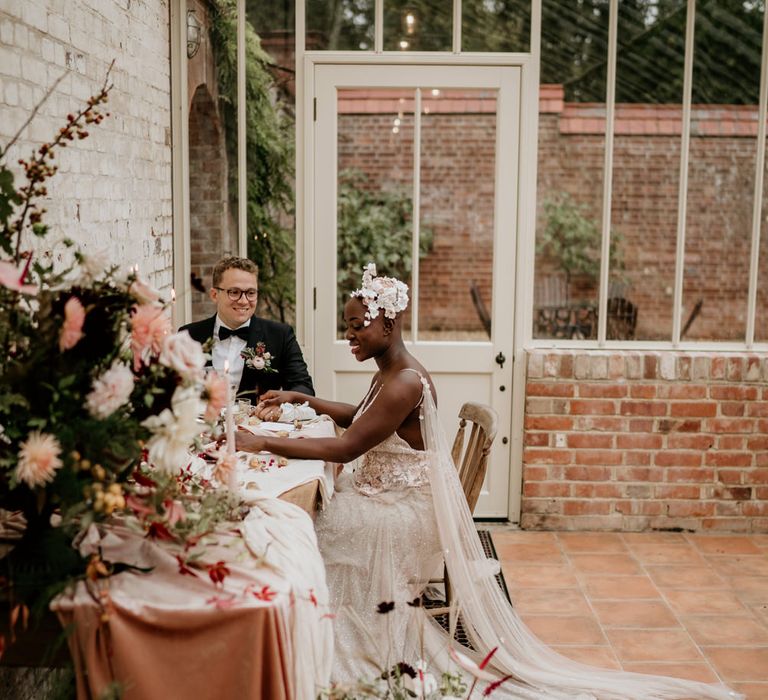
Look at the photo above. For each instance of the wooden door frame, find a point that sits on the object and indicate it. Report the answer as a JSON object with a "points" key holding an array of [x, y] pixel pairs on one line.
{"points": [[526, 218]]}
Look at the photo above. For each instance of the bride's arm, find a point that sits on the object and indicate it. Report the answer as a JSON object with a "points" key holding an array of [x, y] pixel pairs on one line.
{"points": [[383, 417], [341, 413]]}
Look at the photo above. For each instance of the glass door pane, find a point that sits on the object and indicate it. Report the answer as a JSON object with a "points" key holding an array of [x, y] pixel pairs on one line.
{"points": [[375, 186], [457, 174]]}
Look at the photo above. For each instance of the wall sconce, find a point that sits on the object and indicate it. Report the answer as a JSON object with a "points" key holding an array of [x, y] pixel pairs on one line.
{"points": [[194, 33]]}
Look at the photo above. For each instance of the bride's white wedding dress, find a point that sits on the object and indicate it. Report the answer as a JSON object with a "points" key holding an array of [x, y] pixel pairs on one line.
{"points": [[386, 531]]}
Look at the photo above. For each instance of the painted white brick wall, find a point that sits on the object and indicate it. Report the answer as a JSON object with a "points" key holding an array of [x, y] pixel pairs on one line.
{"points": [[113, 189]]}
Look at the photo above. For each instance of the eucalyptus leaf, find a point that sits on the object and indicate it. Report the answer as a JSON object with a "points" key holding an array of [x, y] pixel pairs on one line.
{"points": [[67, 381]]}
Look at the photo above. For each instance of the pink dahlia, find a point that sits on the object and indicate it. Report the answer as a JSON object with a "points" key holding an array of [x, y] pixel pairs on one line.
{"points": [[38, 459], [149, 326], [110, 391], [215, 391], [72, 329]]}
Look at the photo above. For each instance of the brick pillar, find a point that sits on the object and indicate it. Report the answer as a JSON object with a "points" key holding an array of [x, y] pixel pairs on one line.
{"points": [[210, 237]]}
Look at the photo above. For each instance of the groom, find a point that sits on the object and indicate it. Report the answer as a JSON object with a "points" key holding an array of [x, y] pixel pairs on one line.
{"points": [[273, 359]]}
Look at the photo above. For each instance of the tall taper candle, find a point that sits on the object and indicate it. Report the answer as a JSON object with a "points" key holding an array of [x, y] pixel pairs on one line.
{"points": [[230, 416]]}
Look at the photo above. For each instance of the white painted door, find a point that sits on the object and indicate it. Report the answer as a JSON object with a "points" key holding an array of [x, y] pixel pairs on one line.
{"points": [[427, 157]]}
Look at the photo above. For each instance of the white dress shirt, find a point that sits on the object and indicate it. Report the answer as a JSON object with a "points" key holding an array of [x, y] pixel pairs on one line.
{"points": [[228, 351]]}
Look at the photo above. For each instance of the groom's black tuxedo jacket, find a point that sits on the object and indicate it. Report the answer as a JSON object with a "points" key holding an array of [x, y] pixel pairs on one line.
{"points": [[279, 340]]}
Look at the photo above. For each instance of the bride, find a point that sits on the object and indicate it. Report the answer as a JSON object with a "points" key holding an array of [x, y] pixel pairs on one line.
{"points": [[401, 513]]}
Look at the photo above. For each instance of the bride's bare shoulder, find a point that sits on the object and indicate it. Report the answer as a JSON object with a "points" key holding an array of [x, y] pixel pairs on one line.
{"points": [[416, 377]]}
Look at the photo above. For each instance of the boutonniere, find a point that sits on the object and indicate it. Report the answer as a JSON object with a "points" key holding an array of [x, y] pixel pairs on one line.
{"points": [[258, 358]]}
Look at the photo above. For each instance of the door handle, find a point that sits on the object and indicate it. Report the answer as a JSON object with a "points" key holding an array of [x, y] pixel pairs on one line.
{"points": [[500, 360]]}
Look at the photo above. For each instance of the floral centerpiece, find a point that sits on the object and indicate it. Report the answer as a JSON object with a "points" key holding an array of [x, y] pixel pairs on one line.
{"points": [[95, 387]]}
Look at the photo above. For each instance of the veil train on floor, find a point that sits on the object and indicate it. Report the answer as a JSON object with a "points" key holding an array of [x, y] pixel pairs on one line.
{"points": [[490, 621]]}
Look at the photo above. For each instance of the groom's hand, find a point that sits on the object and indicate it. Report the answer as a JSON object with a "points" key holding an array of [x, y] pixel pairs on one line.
{"points": [[268, 407]]}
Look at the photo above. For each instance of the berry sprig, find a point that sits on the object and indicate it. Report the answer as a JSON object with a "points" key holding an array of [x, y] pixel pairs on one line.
{"points": [[40, 167]]}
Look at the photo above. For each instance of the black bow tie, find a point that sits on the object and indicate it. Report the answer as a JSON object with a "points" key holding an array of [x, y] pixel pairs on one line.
{"points": [[242, 332]]}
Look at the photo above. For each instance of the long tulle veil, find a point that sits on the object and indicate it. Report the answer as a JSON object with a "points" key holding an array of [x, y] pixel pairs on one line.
{"points": [[490, 621]]}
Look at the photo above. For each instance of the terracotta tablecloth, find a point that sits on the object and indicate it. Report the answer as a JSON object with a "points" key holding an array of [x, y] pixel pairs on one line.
{"points": [[263, 633]]}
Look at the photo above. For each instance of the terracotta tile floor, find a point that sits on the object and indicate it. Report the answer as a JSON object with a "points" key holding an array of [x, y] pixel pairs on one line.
{"points": [[688, 605]]}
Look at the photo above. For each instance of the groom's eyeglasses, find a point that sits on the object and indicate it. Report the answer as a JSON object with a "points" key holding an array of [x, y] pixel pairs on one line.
{"points": [[235, 294]]}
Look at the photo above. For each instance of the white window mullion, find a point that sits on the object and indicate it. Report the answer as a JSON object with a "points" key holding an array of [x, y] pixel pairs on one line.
{"points": [[682, 193], [182, 263], [242, 170], [304, 279], [610, 117], [535, 39], [757, 208], [456, 26], [378, 26], [416, 215]]}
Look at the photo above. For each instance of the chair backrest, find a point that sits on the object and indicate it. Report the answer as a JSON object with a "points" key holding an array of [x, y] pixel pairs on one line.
{"points": [[472, 459]]}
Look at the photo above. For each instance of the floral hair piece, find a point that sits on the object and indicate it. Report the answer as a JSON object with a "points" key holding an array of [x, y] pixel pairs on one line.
{"points": [[385, 293]]}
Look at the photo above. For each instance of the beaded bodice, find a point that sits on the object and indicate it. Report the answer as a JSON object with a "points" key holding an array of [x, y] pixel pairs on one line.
{"points": [[393, 465]]}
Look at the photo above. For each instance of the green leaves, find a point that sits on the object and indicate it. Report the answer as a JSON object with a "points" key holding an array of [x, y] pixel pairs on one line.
{"points": [[8, 198], [572, 239], [8, 195], [67, 381]]}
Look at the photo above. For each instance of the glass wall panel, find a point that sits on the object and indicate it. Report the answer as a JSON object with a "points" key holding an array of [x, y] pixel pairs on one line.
{"points": [[761, 307], [346, 25], [375, 185], [504, 25], [270, 137], [574, 49], [212, 125], [646, 170], [721, 170], [420, 25], [458, 165]]}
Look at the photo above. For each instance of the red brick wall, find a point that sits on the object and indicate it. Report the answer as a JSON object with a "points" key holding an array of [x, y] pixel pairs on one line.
{"points": [[642, 440], [210, 237]]}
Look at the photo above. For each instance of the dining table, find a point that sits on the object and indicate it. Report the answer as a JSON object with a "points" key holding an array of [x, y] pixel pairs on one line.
{"points": [[248, 619]]}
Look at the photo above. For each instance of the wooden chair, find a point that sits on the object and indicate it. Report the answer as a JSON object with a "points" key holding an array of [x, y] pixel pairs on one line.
{"points": [[470, 455]]}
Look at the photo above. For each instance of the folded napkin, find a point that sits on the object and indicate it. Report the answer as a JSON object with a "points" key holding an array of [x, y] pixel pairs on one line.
{"points": [[290, 412]]}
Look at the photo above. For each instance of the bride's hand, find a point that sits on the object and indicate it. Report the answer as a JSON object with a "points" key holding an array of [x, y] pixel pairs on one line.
{"points": [[268, 407], [248, 442]]}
